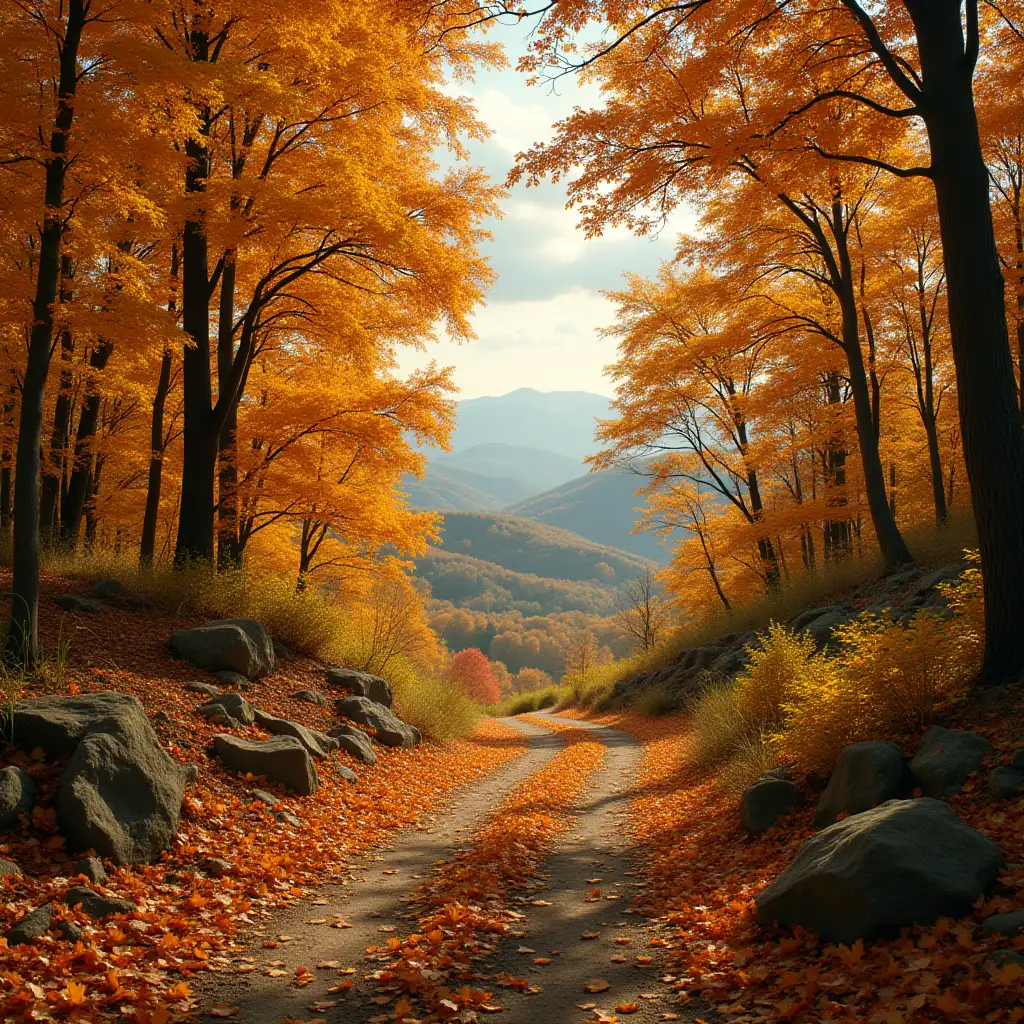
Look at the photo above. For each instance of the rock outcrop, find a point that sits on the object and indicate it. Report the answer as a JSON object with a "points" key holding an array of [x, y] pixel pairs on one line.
{"points": [[236, 645], [767, 800], [865, 775], [319, 744], [946, 759], [17, 796], [1006, 783], [229, 709], [355, 742], [121, 792], [903, 863], [388, 727], [281, 759], [361, 684]]}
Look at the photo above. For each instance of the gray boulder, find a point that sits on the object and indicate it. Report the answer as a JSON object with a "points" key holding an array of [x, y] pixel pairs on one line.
{"points": [[906, 862], [311, 697], [95, 904], [803, 619], [206, 689], [121, 792], [92, 868], [317, 743], [17, 796], [390, 729], [233, 679], [767, 800], [281, 652], [231, 705], [361, 684], [265, 798], [1011, 925], [355, 742], [282, 759], [945, 760], [1006, 783], [77, 603], [237, 645], [346, 773], [8, 869], [287, 818], [109, 588], [32, 926], [865, 775], [1017, 758], [824, 626]]}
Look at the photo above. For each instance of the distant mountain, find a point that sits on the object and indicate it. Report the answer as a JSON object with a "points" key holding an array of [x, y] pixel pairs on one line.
{"points": [[555, 421], [599, 506], [535, 469], [449, 489]]}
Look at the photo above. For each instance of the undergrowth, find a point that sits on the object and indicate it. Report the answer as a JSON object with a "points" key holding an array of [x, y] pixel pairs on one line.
{"points": [[796, 705]]}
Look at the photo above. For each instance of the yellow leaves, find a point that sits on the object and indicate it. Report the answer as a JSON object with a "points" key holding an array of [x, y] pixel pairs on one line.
{"points": [[74, 993], [852, 955], [595, 986]]}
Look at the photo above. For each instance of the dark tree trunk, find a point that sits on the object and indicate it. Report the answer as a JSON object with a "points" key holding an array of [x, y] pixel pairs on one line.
{"points": [[890, 540], [91, 522], [59, 435], [79, 486], [229, 550], [23, 630], [989, 412], [6, 478], [157, 441], [195, 516]]}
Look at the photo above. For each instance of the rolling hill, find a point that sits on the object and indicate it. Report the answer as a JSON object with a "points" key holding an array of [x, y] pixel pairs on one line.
{"points": [[599, 506], [449, 488]]}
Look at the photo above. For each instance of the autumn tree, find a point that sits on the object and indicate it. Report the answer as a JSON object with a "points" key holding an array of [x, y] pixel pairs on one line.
{"points": [[900, 66], [472, 671], [641, 616]]}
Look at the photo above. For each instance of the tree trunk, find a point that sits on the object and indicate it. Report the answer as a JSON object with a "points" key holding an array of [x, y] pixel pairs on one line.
{"points": [[91, 522], [60, 433], [989, 413], [229, 551], [156, 464], [195, 514], [79, 486], [890, 540], [5, 465], [23, 630]]}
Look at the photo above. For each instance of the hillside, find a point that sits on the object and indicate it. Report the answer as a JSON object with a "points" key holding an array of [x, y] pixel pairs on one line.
{"points": [[480, 585], [524, 546], [599, 506], [535, 468], [450, 488], [557, 421]]}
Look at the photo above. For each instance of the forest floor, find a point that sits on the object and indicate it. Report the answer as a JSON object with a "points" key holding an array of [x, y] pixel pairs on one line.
{"points": [[547, 870]]}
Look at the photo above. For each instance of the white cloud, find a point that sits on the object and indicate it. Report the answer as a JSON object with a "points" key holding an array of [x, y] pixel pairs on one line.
{"points": [[549, 344]]}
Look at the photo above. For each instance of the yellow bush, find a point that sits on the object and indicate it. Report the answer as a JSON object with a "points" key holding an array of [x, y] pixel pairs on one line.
{"points": [[774, 670], [432, 702], [719, 723]]}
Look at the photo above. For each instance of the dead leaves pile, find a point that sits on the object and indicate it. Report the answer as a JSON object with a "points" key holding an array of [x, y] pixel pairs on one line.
{"points": [[468, 903], [139, 966], [705, 873]]}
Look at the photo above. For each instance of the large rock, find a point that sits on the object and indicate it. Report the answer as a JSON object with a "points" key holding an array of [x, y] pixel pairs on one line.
{"points": [[865, 775], [232, 706], [355, 742], [946, 759], [361, 684], [311, 697], [77, 603], [1006, 783], [317, 743], [390, 729], [109, 589], [767, 800], [1010, 925], [906, 862], [121, 792], [236, 645], [95, 904], [282, 759], [17, 796]]}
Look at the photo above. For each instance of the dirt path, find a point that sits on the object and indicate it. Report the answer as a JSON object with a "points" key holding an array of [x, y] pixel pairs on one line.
{"points": [[373, 903], [594, 854]]}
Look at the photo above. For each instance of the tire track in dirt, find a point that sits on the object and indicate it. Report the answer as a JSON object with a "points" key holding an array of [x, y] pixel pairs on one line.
{"points": [[374, 902], [596, 853]]}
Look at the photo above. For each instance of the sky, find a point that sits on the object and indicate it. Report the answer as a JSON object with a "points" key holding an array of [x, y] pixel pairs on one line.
{"points": [[539, 326]]}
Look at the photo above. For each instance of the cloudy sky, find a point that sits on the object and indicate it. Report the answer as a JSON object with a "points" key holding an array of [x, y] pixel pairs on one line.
{"points": [[539, 326]]}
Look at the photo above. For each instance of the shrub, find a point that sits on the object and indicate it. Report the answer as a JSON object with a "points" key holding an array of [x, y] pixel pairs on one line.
{"points": [[472, 672], [767, 683], [719, 725], [756, 754], [432, 702], [656, 701]]}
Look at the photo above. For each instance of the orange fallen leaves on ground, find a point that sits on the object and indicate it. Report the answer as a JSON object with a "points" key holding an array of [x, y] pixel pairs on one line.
{"points": [[705, 871], [188, 918]]}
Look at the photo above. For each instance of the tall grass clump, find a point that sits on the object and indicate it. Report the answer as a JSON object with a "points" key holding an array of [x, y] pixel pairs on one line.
{"points": [[432, 702], [525, 703], [795, 705]]}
